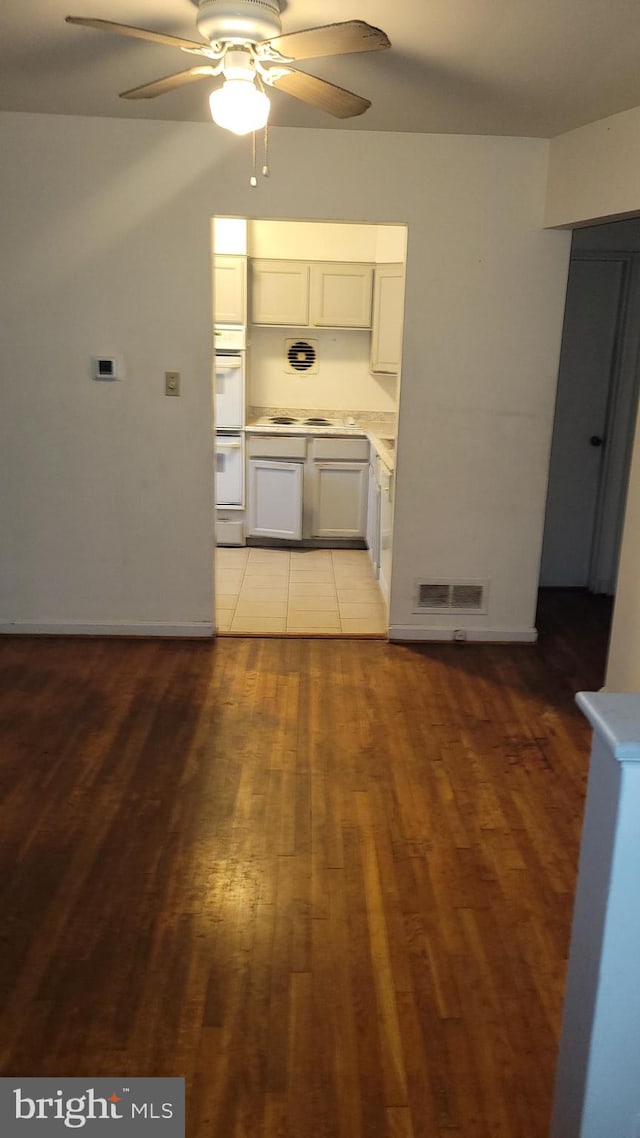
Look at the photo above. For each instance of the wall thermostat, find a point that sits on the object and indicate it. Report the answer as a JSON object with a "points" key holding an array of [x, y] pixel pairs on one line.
{"points": [[106, 367]]}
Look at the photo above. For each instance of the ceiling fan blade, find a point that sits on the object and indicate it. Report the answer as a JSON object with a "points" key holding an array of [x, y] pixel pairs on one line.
{"points": [[169, 83], [137, 33], [338, 102], [331, 39]]}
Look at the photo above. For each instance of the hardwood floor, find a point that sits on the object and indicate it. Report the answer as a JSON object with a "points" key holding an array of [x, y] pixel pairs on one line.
{"points": [[328, 882]]}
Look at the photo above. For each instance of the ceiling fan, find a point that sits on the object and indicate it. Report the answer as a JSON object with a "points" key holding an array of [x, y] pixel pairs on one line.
{"points": [[245, 46]]}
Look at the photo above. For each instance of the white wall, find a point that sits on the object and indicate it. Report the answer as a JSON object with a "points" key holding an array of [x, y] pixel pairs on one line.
{"points": [[106, 495], [326, 241], [229, 235], [105, 504], [391, 244], [594, 171], [306, 240], [343, 381]]}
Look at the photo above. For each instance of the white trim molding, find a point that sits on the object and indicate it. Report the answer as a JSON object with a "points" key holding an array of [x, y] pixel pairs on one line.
{"points": [[186, 629], [477, 635]]}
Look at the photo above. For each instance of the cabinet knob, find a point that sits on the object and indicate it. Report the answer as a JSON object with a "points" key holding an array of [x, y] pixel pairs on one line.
{"points": [[596, 440]]}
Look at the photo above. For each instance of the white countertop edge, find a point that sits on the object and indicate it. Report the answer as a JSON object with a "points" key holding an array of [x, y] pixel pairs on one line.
{"points": [[386, 455], [615, 717], [303, 429]]}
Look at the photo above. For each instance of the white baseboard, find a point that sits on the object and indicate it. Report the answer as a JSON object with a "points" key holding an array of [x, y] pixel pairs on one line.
{"points": [[472, 635], [186, 630]]}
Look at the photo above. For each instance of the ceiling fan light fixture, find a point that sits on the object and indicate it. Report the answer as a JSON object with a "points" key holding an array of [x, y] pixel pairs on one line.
{"points": [[239, 106]]}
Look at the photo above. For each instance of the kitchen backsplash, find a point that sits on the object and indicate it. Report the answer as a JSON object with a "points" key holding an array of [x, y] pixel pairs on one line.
{"points": [[342, 381]]}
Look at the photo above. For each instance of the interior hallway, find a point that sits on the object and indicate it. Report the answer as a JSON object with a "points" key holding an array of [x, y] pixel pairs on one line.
{"points": [[328, 881]]}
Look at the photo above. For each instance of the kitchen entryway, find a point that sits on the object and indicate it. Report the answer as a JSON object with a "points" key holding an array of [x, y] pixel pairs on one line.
{"points": [[308, 327], [298, 592]]}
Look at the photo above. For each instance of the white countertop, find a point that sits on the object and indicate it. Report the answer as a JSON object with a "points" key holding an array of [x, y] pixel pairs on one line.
{"points": [[385, 452], [373, 432], [264, 428]]}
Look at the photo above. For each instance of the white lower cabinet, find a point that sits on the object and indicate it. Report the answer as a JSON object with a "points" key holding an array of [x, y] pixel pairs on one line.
{"points": [[275, 499], [307, 488], [229, 527], [373, 519], [339, 499], [386, 533]]}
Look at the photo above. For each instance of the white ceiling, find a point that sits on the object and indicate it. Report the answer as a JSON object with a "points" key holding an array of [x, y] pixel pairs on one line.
{"points": [[517, 67]]}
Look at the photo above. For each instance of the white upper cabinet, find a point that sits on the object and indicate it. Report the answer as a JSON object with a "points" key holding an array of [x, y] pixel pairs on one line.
{"points": [[302, 294], [340, 296], [230, 290], [388, 317], [280, 292]]}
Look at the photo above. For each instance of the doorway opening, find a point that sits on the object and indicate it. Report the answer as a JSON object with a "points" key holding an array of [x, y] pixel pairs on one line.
{"points": [[594, 425], [308, 329]]}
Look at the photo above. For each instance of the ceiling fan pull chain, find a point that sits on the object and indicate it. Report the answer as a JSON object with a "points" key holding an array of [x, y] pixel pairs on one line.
{"points": [[253, 181], [265, 169]]}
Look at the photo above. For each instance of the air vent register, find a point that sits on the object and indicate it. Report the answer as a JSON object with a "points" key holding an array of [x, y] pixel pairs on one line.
{"points": [[451, 596], [301, 356]]}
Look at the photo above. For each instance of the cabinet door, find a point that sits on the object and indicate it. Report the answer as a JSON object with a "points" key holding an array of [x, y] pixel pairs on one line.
{"points": [[388, 318], [280, 292], [373, 521], [340, 499], [340, 296], [230, 290], [229, 391], [229, 479], [274, 499], [386, 534]]}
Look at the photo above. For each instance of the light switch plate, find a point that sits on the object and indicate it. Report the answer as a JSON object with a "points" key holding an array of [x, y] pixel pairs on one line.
{"points": [[172, 382]]}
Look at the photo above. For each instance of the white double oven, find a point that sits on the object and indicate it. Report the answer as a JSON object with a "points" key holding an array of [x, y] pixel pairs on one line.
{"points": [[229, 389]]}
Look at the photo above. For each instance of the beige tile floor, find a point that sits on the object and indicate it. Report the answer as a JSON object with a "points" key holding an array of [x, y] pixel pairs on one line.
{"points": [[316, 592]]}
